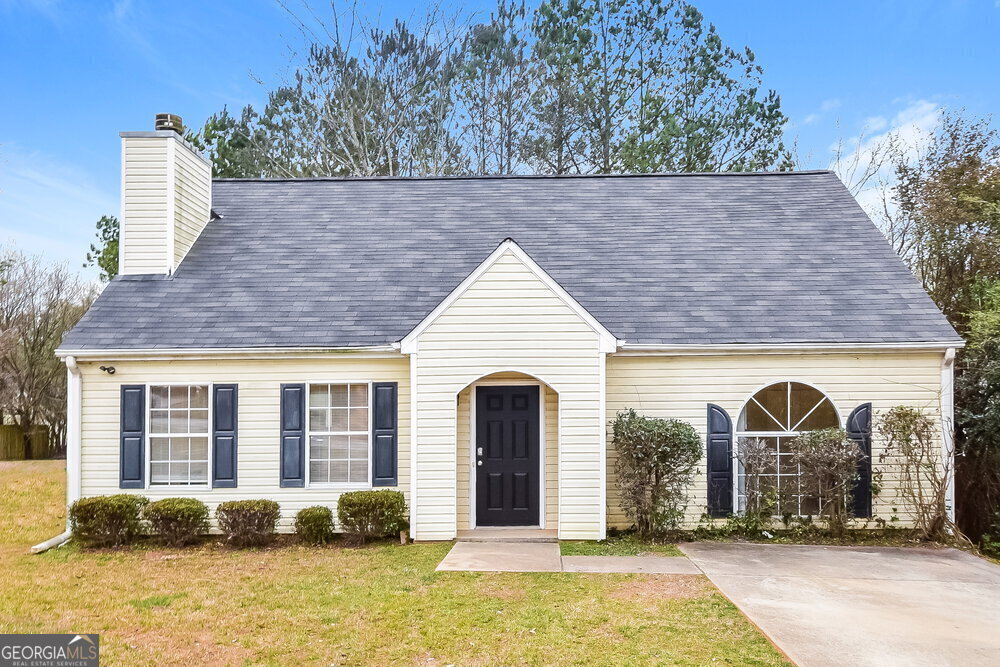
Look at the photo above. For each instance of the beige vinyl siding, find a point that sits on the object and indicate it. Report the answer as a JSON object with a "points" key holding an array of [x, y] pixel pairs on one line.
{"points": [[258, 447], [551, 454], [166, 201], [550, 443], [463, 466], [681, 387], [509, 320], [145, 213], [193, 199]]}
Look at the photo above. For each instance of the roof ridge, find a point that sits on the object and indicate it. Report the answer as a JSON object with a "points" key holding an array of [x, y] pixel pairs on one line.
{"points": [[498, 177]]}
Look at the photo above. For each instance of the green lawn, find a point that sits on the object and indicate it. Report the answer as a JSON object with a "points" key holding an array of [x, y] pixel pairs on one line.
{"points": [[626, 545], [382, 604]]}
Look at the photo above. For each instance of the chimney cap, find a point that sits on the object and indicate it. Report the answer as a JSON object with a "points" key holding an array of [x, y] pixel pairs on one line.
{"points": [[169, 121]]}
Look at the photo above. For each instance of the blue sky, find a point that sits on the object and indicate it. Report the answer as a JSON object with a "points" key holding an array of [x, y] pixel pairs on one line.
{"points": [[75, 73]]}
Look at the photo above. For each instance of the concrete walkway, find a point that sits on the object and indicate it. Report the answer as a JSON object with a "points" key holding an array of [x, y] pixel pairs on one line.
{"points": [[544, 557], [862, 606]]}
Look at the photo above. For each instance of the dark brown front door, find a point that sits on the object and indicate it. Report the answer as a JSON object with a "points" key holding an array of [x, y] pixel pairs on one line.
{"points": [[507, 451]]}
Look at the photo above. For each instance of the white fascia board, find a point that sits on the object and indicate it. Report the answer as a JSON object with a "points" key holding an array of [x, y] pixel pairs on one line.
{"points": [[642, 349], [609, 343], [373, 351]]}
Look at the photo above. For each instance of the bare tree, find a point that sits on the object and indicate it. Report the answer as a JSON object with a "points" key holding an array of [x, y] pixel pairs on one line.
{"points": [[367, 101], [758, 461], [38, 305], [495, 77], [913, 441], [863, 161], [868, 164], [600, 86]]}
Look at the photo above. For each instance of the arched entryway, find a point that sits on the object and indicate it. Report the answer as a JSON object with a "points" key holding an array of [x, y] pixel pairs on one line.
{"points": [[510, 393]]}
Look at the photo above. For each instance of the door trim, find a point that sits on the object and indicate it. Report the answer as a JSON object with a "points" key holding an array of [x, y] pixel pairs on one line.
{"points": [[541, 444]]}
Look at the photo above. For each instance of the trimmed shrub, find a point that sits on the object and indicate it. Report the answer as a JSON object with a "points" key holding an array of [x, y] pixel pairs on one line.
{"points": [[827, 461], [177, 521], [248, 523], [372, 514], [657, 459], [314, 525], [107, 520]]}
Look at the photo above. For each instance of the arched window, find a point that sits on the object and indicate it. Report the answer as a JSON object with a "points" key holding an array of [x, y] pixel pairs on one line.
{"points": [[776, 414]]}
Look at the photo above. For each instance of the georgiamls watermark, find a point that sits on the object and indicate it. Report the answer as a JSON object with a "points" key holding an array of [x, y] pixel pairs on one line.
{"points": [[49, 651]]}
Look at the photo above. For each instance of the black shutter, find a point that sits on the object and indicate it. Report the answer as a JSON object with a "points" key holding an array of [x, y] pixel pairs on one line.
{"points": [[132, 462], [224, 427], [720, 462], [859, 429], [293, 435], [385, 433]]}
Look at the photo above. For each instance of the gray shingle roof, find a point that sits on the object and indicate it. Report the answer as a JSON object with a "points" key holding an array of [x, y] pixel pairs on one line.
{"points": [[671, 259]]}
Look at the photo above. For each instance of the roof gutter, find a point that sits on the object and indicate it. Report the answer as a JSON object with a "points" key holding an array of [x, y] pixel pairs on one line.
{"points": [[390, 350], [640, 349], [393, 350]]}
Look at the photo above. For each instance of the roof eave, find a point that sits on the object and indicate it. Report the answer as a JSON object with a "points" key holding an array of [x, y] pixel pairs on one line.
{"points": [[639, 349], [390, 350]]}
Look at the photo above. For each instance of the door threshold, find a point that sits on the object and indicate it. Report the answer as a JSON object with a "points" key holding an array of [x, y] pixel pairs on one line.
{"points": [[508, 534]]}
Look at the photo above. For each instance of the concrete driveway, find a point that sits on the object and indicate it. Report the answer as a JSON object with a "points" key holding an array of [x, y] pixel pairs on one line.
{"points": [[862, 606]]}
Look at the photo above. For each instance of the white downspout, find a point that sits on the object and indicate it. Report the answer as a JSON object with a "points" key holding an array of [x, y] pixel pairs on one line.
{"points": [[603, 466], [413, 446], [948, 427], [74, 433]]}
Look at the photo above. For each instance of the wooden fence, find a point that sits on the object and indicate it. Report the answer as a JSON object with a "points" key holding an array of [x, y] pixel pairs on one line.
{"points": [[12, 443]]}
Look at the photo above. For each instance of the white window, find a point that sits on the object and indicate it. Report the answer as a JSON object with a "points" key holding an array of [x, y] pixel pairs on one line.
{"points": [[775, 415], [339, 434], [178, 435]]}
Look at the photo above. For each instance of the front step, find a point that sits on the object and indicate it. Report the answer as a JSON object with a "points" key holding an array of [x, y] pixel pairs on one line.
{"points": [[508, 535]]}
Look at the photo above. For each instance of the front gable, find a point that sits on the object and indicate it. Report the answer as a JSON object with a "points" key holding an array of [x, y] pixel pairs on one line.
{"points": [[508, 316], [509, 295]]}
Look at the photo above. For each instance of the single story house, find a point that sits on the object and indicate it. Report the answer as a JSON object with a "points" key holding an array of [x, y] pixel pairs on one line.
{"points": [[467, 340]]}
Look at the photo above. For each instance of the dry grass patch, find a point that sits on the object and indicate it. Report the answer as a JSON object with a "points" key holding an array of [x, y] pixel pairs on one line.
{"points": [[657, 588], [378, 605], [498, 587]]}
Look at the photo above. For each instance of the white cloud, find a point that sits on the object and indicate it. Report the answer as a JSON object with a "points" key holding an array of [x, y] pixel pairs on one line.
{"points": [[875, 123], [833, 103], [49, 207], [53, 10], [909, 127], [824, 108], [120, 9], [46, 7], [135, 25]]}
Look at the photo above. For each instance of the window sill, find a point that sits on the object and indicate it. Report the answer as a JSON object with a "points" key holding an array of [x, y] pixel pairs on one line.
{"points": [[332, 486]]}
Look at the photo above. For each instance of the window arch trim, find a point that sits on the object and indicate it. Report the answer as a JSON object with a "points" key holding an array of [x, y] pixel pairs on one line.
{"points": [[750, 398]]}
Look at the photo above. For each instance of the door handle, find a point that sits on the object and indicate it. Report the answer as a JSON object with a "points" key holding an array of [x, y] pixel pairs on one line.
{"points": [[479, 456]]}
